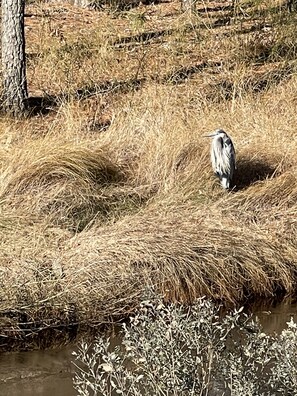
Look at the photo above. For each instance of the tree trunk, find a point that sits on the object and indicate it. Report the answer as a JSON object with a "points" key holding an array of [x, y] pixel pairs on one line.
{"points": [[13, 57]]}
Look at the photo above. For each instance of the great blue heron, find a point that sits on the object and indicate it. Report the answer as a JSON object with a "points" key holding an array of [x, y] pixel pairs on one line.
{"points": [[222, 157]]}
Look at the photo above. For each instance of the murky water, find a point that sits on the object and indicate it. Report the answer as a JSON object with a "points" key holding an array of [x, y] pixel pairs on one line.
{"points": [[35, 373], [49, 373]]}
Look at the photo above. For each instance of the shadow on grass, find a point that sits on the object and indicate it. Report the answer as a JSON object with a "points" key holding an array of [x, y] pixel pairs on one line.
{"points": [[45, 104], [40, 104], [273, 77], [118, 6], [114, 86], [250, 171], [221, 22], [180, 75], [257, 27], [226, 90], [205, 10], [100, 126], [144, 37], [147, 37]]}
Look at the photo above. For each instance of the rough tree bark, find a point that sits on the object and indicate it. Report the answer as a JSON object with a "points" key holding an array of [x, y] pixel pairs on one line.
{"points": [[13, 57]]}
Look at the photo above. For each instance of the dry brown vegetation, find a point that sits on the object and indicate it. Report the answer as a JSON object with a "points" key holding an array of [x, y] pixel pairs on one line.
{"points": [[107, 186]]}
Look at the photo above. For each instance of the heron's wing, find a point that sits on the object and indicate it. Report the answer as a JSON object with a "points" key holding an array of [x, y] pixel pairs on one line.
{"points": [[233, 155], [229, 152], [216, 155]]}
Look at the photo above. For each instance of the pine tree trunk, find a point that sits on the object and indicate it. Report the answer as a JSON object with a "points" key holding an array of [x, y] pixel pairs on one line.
{"points": [[13, 57]]}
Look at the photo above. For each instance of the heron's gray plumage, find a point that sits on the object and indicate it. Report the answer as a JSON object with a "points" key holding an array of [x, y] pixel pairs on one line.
{"points": [[222, 157]]}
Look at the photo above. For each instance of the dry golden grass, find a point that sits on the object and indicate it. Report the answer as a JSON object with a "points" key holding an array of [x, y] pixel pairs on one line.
{"points": [[112, 190]]}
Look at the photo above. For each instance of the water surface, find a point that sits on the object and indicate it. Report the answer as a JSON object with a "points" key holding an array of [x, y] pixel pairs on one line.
{"points": [[34, 373]]}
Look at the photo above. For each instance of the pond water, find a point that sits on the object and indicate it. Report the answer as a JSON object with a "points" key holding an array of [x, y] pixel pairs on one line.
{"points": [[49, 372], [45, 373]]}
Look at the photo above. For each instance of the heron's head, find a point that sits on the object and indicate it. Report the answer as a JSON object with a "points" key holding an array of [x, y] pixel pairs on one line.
{"points": [[217, 132]]}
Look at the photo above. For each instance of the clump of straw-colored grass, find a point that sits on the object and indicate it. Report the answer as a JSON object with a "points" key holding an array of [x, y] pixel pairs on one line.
{"points": [[100, 274], [65, 180]]}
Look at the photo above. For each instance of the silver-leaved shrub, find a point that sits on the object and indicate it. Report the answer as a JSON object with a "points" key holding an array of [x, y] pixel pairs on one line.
{"points": [[174, 350]]}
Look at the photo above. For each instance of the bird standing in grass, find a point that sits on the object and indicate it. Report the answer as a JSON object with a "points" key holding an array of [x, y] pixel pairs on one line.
{"points": [[222, 157]]}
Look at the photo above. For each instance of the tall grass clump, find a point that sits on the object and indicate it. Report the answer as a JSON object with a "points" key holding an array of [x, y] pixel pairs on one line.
{"points": [[58, 179], [186, 253], [174, 349]]}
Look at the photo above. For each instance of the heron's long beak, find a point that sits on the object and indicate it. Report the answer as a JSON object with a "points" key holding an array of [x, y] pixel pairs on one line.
{"points": [[211, 135]]}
